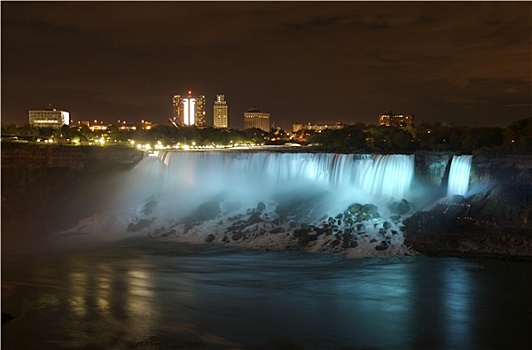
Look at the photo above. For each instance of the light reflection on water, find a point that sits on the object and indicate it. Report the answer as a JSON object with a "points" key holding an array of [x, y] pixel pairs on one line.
{"points": [[159, 295]]}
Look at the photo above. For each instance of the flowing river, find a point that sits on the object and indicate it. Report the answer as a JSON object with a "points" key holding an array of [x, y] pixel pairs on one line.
{"points": [[144, 293]]}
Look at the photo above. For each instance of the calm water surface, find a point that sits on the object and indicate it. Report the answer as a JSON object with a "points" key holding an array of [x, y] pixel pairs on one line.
{"points": [[148, 294]]}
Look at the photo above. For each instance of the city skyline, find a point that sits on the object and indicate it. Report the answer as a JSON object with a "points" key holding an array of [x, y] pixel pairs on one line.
{"points": [[306, 62]]}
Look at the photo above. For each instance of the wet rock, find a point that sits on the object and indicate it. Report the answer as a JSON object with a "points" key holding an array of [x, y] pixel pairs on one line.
{"points": [[304, 236], [347, 240], [300, 232], [360, 228], [260, 207], [149, 208], [142, 224], [300, 207], [236, 236], [204, 212], [254, 218], [383, 245], [168, 233], [210, 238], [441, 219], [354, 208], [467, 245], [277, 230], [395, 218], [370, 209], [402, 207], [235, 218], [187, 227], [250, 228]]}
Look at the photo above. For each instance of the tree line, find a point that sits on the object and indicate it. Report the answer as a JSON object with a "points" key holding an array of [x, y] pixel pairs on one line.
{"points": [[440, 136]]}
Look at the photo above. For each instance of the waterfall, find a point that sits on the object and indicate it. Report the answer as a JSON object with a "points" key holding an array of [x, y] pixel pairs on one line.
{"points": [[259, 173], [459, 175], [170, 185]]}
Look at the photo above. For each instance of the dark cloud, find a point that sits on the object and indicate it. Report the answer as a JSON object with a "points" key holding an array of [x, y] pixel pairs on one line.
{"points": [[301, 61]]}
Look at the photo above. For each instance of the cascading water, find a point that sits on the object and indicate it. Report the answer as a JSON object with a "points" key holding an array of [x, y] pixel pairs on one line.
{"points": [[459, 175], [271, 199], [257, 174]]}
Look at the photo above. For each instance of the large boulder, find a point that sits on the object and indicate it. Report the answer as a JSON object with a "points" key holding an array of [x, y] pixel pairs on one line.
{"points": [[204, 212]]}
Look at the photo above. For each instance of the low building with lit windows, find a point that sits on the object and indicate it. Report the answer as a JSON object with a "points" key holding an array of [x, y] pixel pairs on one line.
{"points": [[50, 118], [254, 118], [321, 127], [296, 127], [401, 120], [146, 125]]}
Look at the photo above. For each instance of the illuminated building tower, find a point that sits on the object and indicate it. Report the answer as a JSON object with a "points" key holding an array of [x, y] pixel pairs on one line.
{"points": [[389, 119], [254, 118], [51, 118], [189, 110], [220, 112]]}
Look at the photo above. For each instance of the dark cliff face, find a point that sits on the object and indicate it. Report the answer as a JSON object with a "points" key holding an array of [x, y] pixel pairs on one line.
{"points": [[85, 158], [49, 188], [498, 219], [501, 170]]}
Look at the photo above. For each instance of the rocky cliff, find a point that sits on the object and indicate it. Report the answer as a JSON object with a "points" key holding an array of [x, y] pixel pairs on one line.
{"points": [[42, 185], [78, 158], [495, 220]]}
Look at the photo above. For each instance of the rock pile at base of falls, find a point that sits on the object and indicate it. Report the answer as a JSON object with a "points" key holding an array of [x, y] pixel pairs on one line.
{"points": [[358, 231]]}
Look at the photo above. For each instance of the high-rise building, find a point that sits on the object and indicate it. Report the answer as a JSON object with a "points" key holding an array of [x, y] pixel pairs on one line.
{"points": [[189, 110], [389, 119], [51, 118], [220, 116], [254, 118]]}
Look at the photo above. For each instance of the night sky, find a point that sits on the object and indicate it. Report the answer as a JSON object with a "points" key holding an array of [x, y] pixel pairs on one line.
{"points": [[320, 62]]}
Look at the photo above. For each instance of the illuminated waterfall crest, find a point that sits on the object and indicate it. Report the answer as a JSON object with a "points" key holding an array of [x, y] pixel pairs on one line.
{"points": [[459, 175], [381, 176], [388, 175]]}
